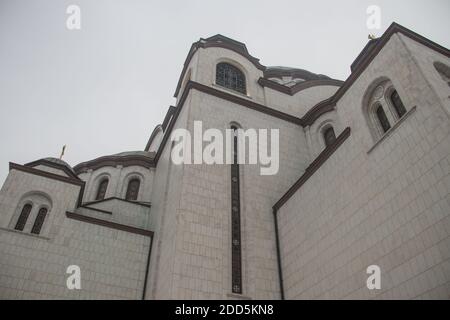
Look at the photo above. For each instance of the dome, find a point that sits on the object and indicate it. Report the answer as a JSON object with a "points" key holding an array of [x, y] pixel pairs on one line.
{"points": [[59, 162], [128, 158], [295, 73], [135, 153]]}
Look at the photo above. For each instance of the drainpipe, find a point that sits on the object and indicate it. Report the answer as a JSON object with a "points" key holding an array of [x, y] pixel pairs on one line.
{"points": [[144, 290], [277, 240]]}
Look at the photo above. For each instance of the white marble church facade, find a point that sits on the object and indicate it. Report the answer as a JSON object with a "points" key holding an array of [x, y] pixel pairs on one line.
{"points": [[364, 179]]}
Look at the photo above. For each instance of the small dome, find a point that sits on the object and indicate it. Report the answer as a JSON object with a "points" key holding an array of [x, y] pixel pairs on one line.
{"points": [[135, 153], [60, 162], [295, 73]]}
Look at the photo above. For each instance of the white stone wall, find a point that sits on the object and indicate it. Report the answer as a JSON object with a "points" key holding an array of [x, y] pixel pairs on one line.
{"points": [[384, 203], [112, 262], [206, 70], [202, 69], [51, 170], [314, 132], [381, 202], [195, 254], [301, 102], [118, 182], [163, 219], [123, 212], [424, 58], [19, 184]]}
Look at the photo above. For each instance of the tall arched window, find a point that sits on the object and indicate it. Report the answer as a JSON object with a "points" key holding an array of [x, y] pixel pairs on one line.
{"points": [[329, 136], [383, 107], [236, 259], [20, 224], [384, 122], [101, 191], [133, 189], [230, 77], [37, 226], [398, 104]]}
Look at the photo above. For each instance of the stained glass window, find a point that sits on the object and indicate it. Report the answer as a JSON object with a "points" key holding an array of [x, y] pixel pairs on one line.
{"points": [[20, 225], [398, 104], [384, 122], [329, 136], [236, 269], [230, 77], [102, 189], [37, 226], [133, 189]]}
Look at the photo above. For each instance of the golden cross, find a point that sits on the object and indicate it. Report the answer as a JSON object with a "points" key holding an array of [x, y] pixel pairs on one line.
{"points": [[62, 151]]}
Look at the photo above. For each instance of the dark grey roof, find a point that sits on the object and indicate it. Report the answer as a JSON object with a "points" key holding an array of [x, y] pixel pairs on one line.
{"points": [[279, 71], [135, 153], [60, 162], [127, 158]]}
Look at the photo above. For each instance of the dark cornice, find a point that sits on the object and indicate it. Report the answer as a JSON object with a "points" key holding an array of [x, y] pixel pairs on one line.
{"points": [[140, 203], [169, 113], [217, 41], [313, 167], [319, 109], [53, 165], [364, 51], [363, 60], [366, 58], [113, 161], [299, 86], [109, 224], [152, 136], [95, 209], [280, 72], [163, 126], [226, 96], [42, 173], [245, 102], [45, 174]]}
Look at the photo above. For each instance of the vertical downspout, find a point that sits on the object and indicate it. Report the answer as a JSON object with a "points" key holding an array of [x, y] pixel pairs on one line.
{"points": [[277, 240], [144, 290]]}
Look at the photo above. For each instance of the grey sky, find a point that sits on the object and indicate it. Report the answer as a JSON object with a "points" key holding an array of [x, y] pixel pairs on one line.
{"points": [[102, 89]]}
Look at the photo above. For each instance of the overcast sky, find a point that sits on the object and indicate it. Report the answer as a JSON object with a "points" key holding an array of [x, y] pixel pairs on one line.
{"points": [[102, 89]]}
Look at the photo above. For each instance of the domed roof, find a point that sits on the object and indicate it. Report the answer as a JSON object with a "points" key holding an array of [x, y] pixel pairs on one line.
{"points": [[56, 160], [127, 158], [59, 162], [56, 163], [135, 153], [279, 71]]}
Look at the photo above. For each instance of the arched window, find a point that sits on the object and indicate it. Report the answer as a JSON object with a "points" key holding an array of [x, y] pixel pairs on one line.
{"points": [[230, 77], [398, 104], [236, 259], [37, 226], [384, 122], [102, 189], [133, 189], [329, 136], [20, 225], [382, 107]]}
